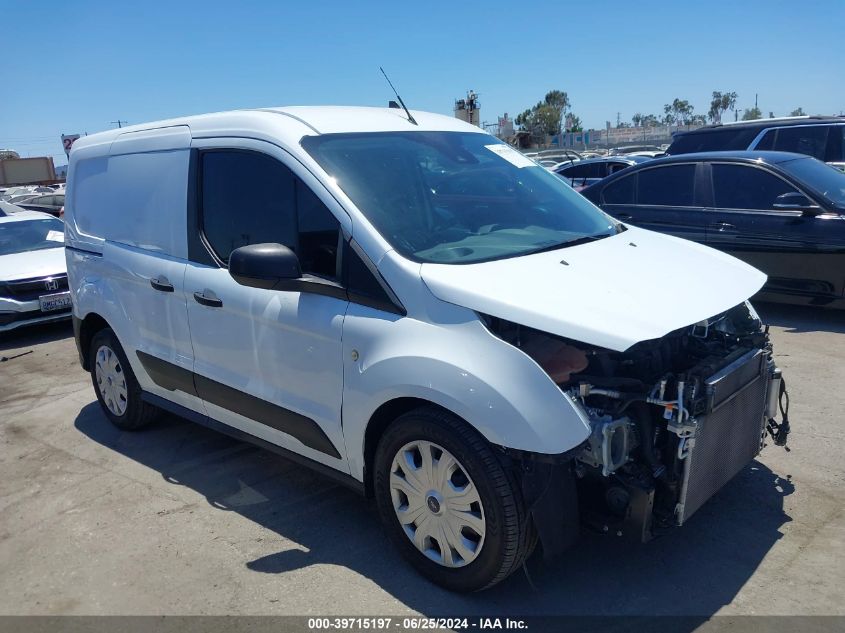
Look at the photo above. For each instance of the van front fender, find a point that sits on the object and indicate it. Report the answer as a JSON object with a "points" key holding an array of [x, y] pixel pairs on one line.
{"points": [[463, 368]]}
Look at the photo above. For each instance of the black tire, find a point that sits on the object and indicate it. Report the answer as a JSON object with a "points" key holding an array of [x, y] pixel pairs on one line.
{"points": [[510, 535], [137, 413]]}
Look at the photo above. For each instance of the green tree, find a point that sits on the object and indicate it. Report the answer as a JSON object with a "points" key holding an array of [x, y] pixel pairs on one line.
{"points": [[557, 99], [546, 117], [650, 120], [752, 114], [573, 123], [523, 120], [557, 102], [721, 103], [797, 112], [680, 111], [637, 119]]}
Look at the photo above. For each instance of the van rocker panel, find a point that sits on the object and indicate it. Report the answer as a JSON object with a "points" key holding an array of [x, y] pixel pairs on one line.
{"points": [[304, 429]]}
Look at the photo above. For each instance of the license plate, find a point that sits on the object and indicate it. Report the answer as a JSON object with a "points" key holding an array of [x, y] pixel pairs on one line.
{"points": [[60, 300]]}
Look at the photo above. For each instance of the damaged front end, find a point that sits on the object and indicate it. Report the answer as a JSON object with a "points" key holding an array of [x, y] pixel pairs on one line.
{"points": [[673, 419]]}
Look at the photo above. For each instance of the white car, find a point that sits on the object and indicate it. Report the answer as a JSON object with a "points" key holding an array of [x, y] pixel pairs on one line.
{"points": [[414, 308], [33, 274], [21, 197]]}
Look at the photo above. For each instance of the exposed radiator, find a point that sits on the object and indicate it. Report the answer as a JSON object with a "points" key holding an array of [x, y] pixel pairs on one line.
{"points": [[729, 435]]}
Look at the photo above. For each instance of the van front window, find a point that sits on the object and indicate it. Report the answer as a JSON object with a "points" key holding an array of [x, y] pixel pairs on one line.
{"points": [[456, 197]]}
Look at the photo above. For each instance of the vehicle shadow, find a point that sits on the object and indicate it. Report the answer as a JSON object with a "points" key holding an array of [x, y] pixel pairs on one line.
{"points": [[796, 318], [32, 335], [693, 571]]}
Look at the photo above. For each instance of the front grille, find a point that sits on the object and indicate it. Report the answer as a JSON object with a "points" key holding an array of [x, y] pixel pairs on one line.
{"points": [[7, 318], [730, 435], [31, 289]]}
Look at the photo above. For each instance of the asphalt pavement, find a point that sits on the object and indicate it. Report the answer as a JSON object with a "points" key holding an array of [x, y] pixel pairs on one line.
{"points": [[180, 520]]}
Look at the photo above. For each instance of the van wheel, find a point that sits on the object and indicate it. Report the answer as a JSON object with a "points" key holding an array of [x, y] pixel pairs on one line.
{"points": [[447, 502], [116, 387]]}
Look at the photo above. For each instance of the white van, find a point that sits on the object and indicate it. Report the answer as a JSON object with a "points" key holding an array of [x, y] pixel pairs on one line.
{"points": [[412, 307]]}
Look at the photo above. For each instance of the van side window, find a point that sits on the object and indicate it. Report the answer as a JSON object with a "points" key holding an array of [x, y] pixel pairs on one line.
{"points": [[250, 198], [247, 198], [318, 234], [361, 283]]}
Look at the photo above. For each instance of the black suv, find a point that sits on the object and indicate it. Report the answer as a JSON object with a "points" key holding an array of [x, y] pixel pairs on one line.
{"points": [[822, 137]]}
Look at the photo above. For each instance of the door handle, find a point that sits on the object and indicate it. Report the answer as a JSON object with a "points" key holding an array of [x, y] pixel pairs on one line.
{"points": [[161, 283], [207, 298], [722, 226]]}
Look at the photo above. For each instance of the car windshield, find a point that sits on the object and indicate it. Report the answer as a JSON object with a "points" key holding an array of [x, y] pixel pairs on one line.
{"points": [[824, 179], [31, 235], [456, 197]]}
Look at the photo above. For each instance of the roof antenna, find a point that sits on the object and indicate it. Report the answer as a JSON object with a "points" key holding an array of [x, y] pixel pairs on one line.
{"points": [[411, 118]]}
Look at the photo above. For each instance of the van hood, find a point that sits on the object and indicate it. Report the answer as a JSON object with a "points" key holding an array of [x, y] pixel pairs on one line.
{"points": [[613, 293], [31, 264]]}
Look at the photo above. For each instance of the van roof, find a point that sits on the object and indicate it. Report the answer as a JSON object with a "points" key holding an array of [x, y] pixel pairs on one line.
{"points": [[311, 120]]}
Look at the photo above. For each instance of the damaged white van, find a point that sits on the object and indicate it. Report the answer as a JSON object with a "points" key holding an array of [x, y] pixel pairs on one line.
{"points": [[414, 308]]}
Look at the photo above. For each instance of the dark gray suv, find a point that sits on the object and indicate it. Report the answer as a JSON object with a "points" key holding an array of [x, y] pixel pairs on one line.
{"points": [[817, 136]]}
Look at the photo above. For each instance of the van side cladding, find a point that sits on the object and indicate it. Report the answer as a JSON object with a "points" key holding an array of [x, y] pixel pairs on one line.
{"points": [[383, 300]]}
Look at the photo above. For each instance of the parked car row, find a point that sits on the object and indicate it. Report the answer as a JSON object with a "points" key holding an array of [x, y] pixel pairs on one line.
{"points": [[554, 157], [817, 136], [586, 172], [33, 272], [51, 203], [46, 198], [783, 213]]}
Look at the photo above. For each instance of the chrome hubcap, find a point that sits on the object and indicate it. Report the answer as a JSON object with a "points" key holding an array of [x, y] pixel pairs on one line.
{"points": [[111, 381], [437, 504]]}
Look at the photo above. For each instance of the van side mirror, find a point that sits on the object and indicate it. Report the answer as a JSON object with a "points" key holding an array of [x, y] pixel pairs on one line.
{"points": [[794, 201], [267, 266]]}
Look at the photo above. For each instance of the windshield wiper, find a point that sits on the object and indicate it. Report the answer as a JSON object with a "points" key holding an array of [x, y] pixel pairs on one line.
{"points": [[578, 240]]}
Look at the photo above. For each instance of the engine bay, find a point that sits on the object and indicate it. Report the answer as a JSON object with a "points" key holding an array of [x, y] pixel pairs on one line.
{"points": [[648, 407]]}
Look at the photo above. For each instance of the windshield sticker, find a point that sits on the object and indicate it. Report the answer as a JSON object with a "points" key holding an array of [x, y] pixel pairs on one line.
{"points": [[511, 155], [55, 236]]}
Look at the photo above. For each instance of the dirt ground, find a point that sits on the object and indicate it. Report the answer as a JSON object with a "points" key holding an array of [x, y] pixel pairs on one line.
{"points": [[180, 520]]}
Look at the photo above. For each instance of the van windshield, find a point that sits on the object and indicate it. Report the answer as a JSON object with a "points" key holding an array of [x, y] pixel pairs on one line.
{"points": [[456, 197]]}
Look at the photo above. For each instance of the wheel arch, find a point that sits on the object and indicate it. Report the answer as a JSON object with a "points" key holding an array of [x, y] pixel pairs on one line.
{"points": [[85, 329], [378, 423]]}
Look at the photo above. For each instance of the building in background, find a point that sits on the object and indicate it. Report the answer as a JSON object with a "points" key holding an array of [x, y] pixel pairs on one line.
{"points": [[469, 109], [27, 171], [505, 127], [620, 136]]}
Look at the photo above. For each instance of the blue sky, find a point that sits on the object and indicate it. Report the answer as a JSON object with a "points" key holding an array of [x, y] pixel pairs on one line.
{"points": [[77, 65]]}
